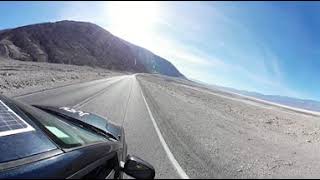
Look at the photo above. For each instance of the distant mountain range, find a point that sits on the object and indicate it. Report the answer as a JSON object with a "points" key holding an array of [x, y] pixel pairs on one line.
{"points": [[80, 43], [306, 104]]}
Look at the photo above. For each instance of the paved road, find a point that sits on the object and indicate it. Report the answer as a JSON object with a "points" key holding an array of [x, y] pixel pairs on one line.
{"points": [[182, 128], [121, 100]]}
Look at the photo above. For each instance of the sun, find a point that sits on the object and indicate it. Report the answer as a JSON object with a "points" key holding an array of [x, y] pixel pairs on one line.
{"points": [[132, 20]]}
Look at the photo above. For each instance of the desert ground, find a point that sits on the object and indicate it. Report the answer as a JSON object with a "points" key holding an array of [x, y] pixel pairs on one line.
{"points": [[211, 133]]}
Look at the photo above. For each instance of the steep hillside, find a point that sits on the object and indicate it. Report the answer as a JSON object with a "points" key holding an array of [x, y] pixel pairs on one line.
{"points": [[80, 43]]}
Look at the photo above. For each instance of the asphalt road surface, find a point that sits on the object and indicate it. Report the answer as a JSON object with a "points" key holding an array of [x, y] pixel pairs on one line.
{"points": [[186, 130], [120, 99]]}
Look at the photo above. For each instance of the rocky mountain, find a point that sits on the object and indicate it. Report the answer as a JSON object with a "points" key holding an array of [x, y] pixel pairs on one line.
{"points": [[80, 43]]}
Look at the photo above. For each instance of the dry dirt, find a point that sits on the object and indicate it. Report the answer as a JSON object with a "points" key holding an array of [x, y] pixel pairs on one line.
{"points": [[19, 77], [218, 134]]}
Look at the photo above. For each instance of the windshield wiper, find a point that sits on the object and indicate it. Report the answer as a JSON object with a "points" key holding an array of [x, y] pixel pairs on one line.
{"points": [[99, 131]]}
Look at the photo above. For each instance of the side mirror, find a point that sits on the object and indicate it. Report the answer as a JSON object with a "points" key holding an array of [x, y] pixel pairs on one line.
{"points": [[138, 168]]}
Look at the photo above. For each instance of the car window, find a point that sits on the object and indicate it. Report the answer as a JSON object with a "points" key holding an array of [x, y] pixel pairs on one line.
{"points": [[64, 133], [69, 134]]}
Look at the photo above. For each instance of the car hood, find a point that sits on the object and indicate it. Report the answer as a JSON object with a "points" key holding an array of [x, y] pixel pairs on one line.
{"points": [[90, 118]]}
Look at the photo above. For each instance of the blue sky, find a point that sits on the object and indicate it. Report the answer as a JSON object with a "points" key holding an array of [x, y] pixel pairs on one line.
{"points": [[267, 47]]}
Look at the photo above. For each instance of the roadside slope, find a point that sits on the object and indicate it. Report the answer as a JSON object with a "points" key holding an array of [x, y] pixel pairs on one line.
{"points": [[18, 77], [223, 137]]}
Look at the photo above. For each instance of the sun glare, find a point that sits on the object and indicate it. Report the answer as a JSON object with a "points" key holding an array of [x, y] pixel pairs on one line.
{"points": [[132, 20]]}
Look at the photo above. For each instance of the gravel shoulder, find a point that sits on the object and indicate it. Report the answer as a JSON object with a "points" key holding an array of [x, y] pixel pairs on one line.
{"points": [[214, 134], [20, 77]]}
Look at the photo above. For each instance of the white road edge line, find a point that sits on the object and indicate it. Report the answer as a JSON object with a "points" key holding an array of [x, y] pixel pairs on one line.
{"points": [[173, 160]]}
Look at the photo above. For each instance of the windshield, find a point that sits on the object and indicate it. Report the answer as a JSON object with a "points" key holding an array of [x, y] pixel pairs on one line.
{"points": [[69, 134], [63, 132]]}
